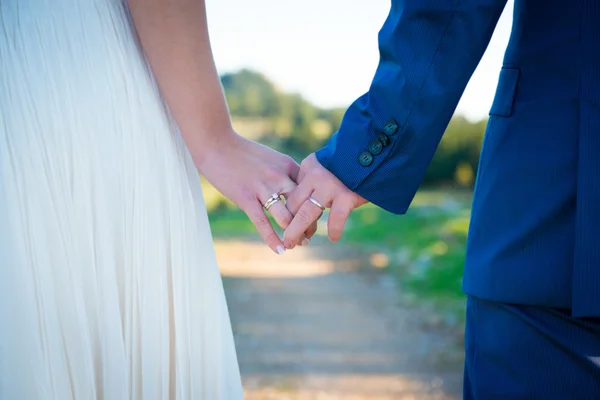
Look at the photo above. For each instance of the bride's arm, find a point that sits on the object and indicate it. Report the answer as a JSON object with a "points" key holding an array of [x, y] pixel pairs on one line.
{"points": [[174, 36]]}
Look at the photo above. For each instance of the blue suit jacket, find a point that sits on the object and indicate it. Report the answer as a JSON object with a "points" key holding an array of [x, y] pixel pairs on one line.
{"points": [[535, 230]]}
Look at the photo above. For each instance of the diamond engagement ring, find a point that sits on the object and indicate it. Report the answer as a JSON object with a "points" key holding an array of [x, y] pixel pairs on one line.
{"points": [[272, 200], [316, 203]]}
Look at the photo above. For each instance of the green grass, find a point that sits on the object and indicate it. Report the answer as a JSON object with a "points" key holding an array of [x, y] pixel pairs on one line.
{"points": [[425, 247], [231, 222]]}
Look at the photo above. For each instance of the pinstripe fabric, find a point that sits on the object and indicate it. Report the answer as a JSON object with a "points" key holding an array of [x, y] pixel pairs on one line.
{"points": [[526, 352], [535, 231], [586, 276]]}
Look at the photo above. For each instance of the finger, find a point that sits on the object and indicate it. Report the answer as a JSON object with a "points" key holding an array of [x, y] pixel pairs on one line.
{"points": [[299, 196], [264, 227], [284, 217], [307, 215], [281, 214], [278, 211], [301, 174], [338, 215], [310, 232], [293, 170], [307, 166], [295, 201], [296, 198]]}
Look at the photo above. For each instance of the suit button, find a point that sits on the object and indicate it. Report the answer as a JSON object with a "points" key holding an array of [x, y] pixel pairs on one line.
{"points": [[383, 139], [390, 128], [365, 158], [375, 147]]}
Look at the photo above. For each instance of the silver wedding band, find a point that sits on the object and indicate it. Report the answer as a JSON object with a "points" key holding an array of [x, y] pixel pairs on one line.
{"points": [[316, 203], [272, 200]]}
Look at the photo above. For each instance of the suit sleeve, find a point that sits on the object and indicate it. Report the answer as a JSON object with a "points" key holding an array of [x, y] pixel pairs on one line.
{"points": [[428, 51]]}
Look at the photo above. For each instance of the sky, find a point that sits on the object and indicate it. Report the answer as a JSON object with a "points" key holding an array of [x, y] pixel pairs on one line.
{"points": [[327, 49]]}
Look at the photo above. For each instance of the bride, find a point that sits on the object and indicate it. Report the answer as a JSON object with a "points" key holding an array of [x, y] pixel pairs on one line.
{"points": [[109, 288]]}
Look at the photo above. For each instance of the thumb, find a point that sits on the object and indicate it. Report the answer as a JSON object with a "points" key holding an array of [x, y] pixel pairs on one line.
{"points": [[293, 170], [304, 169]]}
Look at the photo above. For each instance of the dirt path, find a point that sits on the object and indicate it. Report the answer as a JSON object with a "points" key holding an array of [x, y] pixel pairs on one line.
{"points": [[313, 325]]}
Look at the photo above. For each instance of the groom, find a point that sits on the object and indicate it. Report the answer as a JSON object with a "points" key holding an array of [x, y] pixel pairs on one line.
{"points": [[532, 272]]}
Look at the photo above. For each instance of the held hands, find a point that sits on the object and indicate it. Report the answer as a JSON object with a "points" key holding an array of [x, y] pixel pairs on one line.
{"points": [[249, 174], [318, 189], [253, 176]]}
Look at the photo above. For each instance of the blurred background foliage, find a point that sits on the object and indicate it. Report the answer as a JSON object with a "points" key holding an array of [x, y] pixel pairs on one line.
{"points": [[284, 121]]}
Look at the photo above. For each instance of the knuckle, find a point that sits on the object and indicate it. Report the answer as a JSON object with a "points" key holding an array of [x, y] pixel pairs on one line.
{"points": [[273, 173], [320, 173], [247, 201], [247, 194], [304, 216], [340, 210], [285, 217], [262, 220], [349, 197]]}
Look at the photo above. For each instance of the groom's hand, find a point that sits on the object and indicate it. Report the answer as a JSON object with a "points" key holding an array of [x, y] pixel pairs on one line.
{"points": [[319, 185]]}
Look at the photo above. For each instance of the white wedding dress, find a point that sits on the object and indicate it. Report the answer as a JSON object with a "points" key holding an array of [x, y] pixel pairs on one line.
{"points": [[109, 288]]}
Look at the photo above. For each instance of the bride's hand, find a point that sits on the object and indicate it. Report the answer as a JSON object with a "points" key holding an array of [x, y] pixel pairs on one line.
{"points": [[249, 173]]}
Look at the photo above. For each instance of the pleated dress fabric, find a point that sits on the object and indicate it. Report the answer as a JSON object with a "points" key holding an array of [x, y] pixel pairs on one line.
{"points": [[109, 286]]}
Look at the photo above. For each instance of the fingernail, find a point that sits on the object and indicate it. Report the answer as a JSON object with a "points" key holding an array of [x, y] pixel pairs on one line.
{"points": [[305, 241], [280, 250]]}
